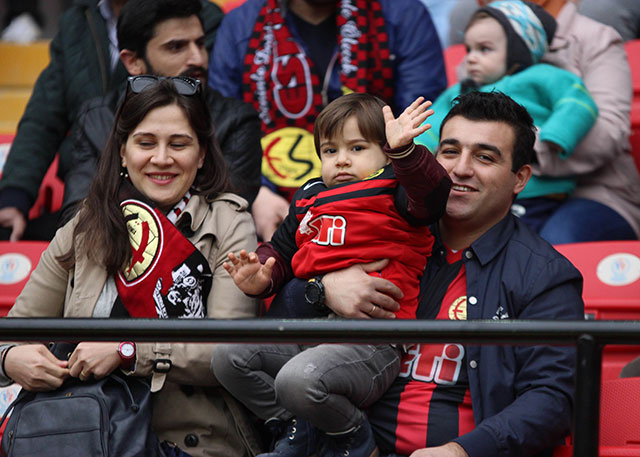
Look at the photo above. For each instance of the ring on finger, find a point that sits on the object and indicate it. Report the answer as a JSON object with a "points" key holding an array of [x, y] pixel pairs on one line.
{"points": [[82, 376], [373, 308]]}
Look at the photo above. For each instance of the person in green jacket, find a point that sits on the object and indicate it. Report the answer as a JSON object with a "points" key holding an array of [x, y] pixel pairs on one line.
{"points": [[84, 63], [504, 41]]}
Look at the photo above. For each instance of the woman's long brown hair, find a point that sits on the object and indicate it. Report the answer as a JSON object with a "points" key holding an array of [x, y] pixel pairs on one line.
{"points": [[101, 232]]}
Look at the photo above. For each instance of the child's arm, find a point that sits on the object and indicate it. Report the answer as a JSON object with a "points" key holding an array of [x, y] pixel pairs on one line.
{"points": [[248, 273], [424, 187]]}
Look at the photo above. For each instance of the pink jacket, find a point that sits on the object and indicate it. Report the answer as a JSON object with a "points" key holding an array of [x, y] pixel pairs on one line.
{"points": [[607, 172]]}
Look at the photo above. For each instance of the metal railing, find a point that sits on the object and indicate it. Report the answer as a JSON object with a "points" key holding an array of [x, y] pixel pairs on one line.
{"points": [[588, 336]]}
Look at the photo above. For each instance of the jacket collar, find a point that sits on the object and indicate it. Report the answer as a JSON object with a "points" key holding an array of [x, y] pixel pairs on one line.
{"points": [[197, 212], [489, 245]]}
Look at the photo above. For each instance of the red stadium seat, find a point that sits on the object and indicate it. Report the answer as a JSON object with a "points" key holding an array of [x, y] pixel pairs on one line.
{"points": [[619, 420], [633, 55], [17, 261], [453, 55], [51, 190], [611, 271], [620, 413]]}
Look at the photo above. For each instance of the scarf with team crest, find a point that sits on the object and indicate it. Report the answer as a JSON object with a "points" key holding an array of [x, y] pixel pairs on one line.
{"points": [[282, 83], [168, 277]]}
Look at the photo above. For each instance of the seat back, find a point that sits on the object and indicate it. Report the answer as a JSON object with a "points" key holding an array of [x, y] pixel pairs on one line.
{"points": [[51, 190], [620, 413], [453, 56], [17, 261], [611, 271]]}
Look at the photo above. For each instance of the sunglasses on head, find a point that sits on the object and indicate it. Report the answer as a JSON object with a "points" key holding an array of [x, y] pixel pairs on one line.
{"points": [[184, 85]]}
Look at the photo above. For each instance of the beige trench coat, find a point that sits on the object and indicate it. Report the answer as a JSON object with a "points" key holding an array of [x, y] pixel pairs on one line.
{"points": [[203, 409]]}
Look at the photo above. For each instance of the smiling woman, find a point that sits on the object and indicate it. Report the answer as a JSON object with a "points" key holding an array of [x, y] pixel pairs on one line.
{"points": [[149, 241], [162, 156]]}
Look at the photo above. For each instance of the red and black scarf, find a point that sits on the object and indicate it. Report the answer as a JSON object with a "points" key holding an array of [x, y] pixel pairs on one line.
{"points": [[168, 277], [282, 83]]}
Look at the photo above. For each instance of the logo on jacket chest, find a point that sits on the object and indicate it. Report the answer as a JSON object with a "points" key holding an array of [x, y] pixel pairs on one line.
{"points": [[326, 230], [458, 309]]}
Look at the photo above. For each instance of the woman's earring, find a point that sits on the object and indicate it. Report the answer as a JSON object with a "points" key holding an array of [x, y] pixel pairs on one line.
{"points": [[123, 173]]}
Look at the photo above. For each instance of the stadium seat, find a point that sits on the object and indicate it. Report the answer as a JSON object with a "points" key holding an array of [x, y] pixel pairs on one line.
{"points": [[633, 55], [619, 420], [611, 271], [51, 190], [17, 261], [620, 413], [453, 55]]}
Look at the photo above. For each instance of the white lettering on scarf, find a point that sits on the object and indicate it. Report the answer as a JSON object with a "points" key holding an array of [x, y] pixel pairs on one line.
{"points": [[261, 59], [350, 35]]}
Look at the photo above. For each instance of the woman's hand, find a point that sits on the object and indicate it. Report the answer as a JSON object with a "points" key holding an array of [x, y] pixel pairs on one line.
{"points": [[35, 368], [248, 273], [94, 359], [353, 293], [402, 131]]}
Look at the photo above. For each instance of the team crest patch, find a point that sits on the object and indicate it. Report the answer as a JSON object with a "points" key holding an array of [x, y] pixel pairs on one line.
{"points": [[145, 236], [458, 309], [374, 174]]}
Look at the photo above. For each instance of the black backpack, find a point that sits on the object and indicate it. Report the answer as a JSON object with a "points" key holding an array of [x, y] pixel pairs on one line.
{"points": [[110, 417]]}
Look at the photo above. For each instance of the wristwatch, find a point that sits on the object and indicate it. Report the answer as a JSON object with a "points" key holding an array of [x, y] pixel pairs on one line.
{"points": [[127, 353], [314, 294]]}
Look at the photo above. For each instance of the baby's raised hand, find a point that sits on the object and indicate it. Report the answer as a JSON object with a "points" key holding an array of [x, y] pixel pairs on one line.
{"points": [[248, 273], [402, 131]]}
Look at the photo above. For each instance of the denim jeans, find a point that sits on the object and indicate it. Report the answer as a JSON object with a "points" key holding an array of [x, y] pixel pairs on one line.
{"points": [[574, 220], [328, 385]]}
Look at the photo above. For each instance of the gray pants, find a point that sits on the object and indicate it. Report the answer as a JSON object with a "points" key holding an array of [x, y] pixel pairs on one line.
{"points": [[327, 385]]}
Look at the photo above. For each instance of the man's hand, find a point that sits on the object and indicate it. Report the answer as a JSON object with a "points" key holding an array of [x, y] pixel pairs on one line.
{"points": [[248, 273], [94, 359], [268, 209], [446, 450], [35, 368], [12, 218], [402, 131], [353, 293]]}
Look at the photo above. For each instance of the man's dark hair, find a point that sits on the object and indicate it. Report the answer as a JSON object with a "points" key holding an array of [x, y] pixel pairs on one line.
{"points": [[138, 20], [498, 107]]}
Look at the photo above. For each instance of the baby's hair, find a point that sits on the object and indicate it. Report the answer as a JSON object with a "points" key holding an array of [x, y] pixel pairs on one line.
{"points": [[365, 107]]}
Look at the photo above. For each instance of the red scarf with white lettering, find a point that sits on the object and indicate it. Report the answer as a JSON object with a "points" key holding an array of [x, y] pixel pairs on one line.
{"points": [[282, 83], [168, 277]]}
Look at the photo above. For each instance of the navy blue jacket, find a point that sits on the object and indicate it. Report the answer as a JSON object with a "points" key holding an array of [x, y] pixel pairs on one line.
{"points": [[522, 396], [418, 65]]}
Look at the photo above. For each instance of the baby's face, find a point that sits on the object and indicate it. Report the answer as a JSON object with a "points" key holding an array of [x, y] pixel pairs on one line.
{"points": [[486, 43], [349, 157]]}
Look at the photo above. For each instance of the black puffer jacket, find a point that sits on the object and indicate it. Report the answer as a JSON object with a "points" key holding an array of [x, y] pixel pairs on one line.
{"points": [[237, 129]]}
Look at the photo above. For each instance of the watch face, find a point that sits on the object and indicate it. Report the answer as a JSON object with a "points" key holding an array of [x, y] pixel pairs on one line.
{"points": [[127, 350], [312, 292]]}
